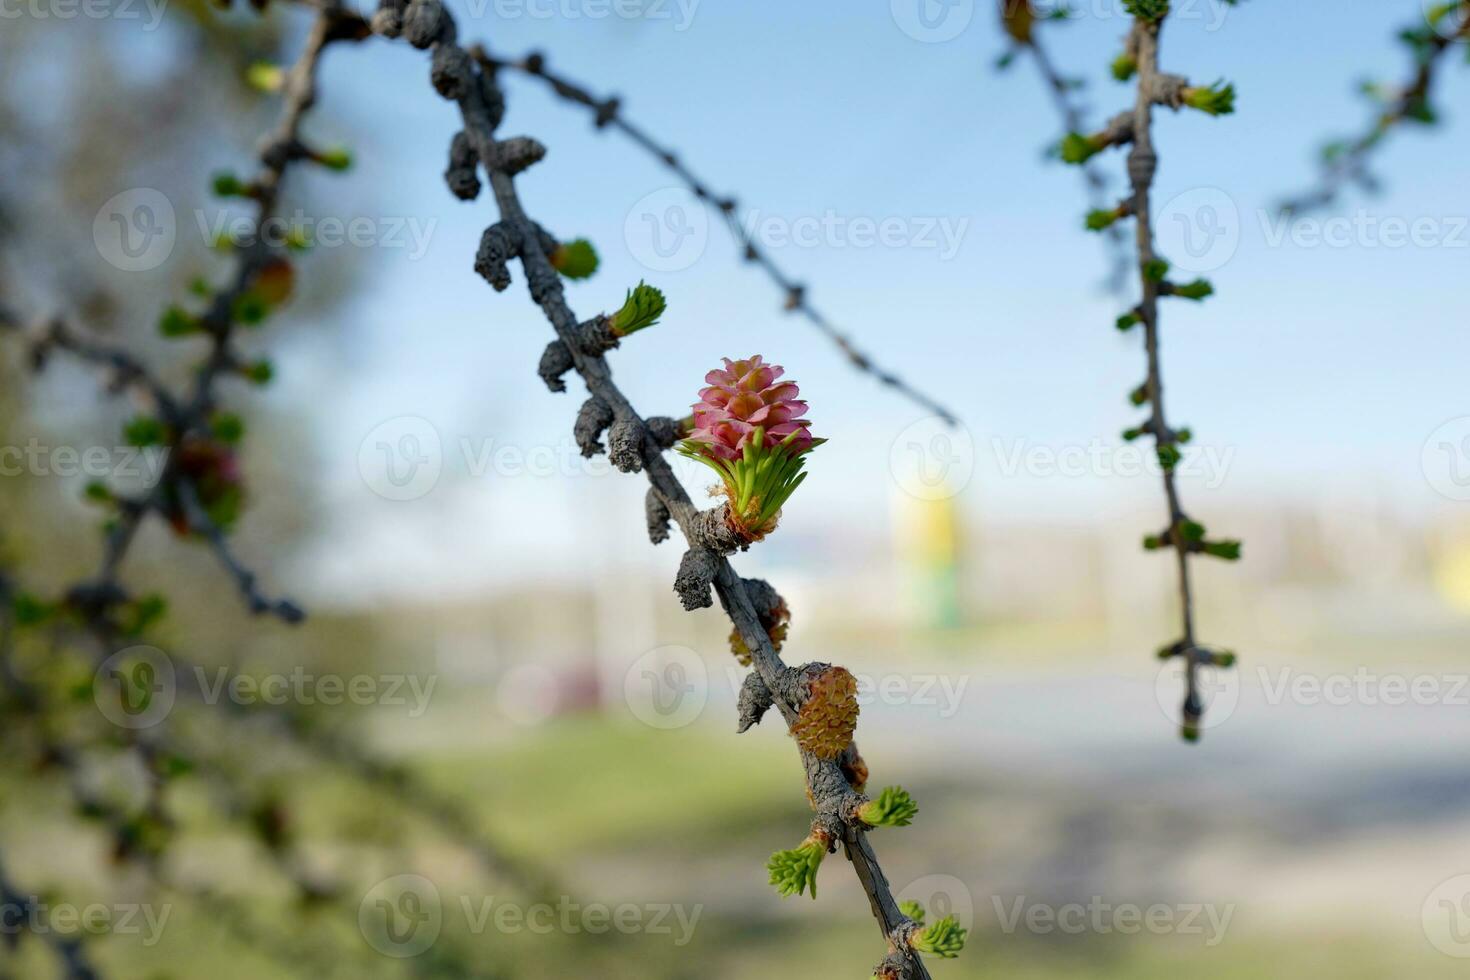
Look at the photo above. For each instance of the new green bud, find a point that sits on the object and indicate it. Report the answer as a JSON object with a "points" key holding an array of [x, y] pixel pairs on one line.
{"points": [[1076, 148], [1102, 219], [1154, 270], [265, 77], [1124, 67], [1197, 290], [1147, 10], [944, 939], [1217, 99], [893, 808], [227, 427], [143, 430], [1168, 456], [641, 308], [228, 185], [913, 910], [337, 158], [1128, 321], [31, 611], [259, 372], [175, 322], [576, 259], [1228, 550], [795, 871], [250, 309]]}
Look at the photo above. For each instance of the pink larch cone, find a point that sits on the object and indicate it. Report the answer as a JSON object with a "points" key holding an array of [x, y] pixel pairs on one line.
{"points": [[742, 397]]}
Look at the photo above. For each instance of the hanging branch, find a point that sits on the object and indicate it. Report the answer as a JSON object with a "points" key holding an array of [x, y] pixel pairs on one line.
{"points": [[817, 701], [1184, 536], [1020, 19], [608, 114], [1344, 162], [15, 906], [199, 491], [18, 908]]}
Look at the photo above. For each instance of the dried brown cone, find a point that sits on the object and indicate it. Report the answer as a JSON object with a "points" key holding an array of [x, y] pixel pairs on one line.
{"points": [[828, 718], [776, 622]]}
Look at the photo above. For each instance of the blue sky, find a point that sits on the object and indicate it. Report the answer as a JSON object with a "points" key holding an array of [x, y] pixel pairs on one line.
{"points": [[1313, 365]]}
